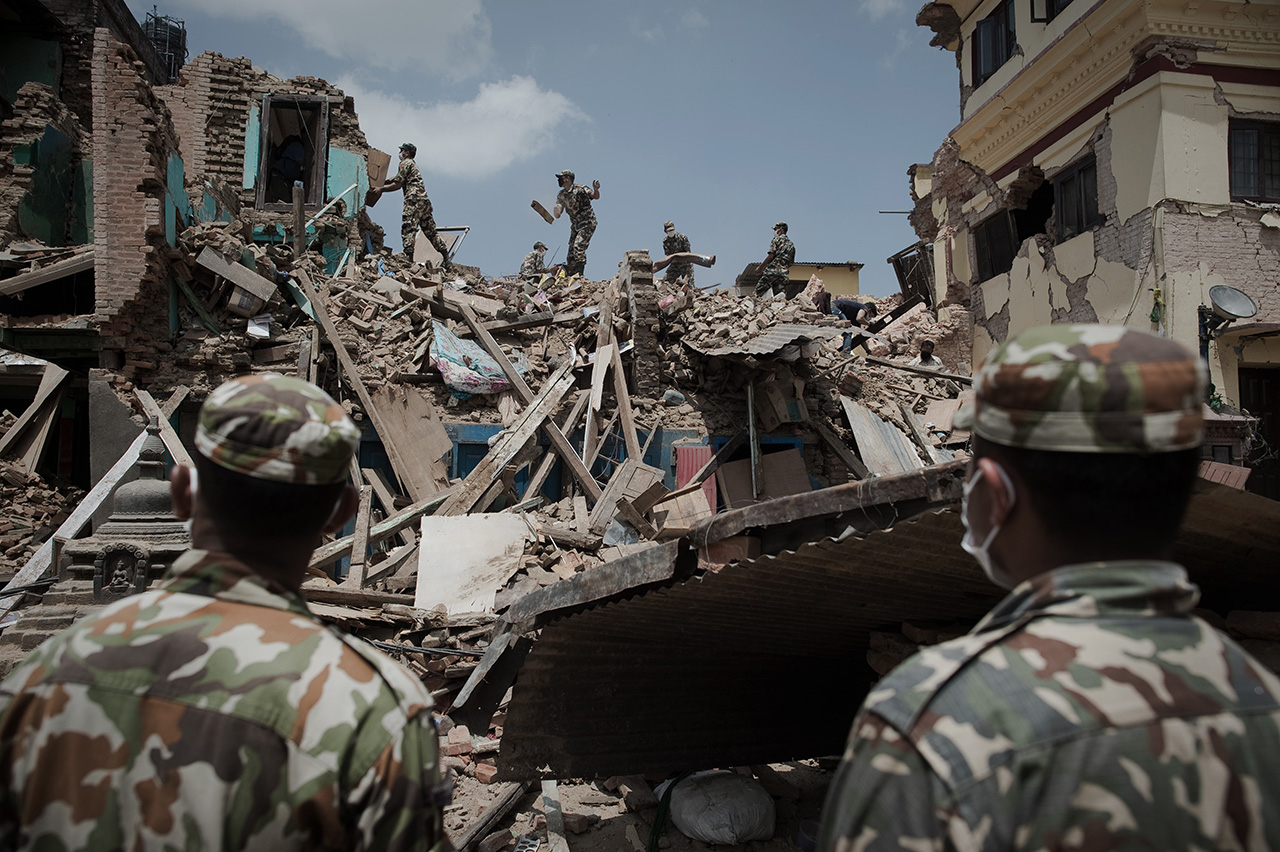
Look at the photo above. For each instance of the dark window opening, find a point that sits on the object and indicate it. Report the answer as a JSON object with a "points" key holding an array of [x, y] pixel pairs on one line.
{"points": [[294, 144], [997, 240], [1044, 11], [1076, 199], [72, 295], [993, 42], [1253, 156]]}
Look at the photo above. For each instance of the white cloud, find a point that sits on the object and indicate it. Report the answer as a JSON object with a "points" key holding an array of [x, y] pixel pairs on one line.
{"points": [[903, 39], [447, 37], [506, 122], [651, 34], [878, 9], [693, 19]]}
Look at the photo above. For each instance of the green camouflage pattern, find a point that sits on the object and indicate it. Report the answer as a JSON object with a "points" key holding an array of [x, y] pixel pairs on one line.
{"points": [[576, 201], [410, 178], [1089, 389], [673, 243], [773, 278], [215, 712], [533, 267], [275, 427], [418, 214], [1088, 710]]}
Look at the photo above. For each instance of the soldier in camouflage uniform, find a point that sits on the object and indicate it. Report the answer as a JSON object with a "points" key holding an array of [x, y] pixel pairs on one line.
{"points": [[1090, 709], [773, 269], [532, 268], [671, 244], [575, 199], [215, 711], [417, 206]]}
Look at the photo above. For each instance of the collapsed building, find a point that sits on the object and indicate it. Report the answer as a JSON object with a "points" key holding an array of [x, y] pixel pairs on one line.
{"points": [[647, 505]]}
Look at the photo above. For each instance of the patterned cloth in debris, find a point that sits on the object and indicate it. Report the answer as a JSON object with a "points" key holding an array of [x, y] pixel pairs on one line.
{"points": [[677, 242], [774, 276], [215, 712], [281, 428], [1090, 389], [466, 368], [576, 201], [1089, 710]]}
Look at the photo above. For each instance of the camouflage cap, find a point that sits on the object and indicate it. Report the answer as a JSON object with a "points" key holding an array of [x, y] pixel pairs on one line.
{"points": [[668, 225], [1088, 389], [565, 173], [409, 148], [540, 245], [276, 427], [782, 225]]}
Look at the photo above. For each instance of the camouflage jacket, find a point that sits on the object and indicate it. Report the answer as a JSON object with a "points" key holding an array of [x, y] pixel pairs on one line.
{"points": [[215, 712], [576, 201], [533, 266], [411, 180], [675, 243], [784, 254], [1089, 710]]}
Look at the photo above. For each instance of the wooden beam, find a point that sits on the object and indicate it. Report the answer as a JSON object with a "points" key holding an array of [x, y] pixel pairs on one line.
{"points": [[841, 449], [920, 371], [81, 262], [335, 550], [393, 563], [506, 798], [625, 416], [398, 454], [360, 540], [172, 442], [599, 369], [241, 276], [510, 443], [570, 423], [50, 383], [71, 527], [386, 497], [205, 318], [558, 441], [637, 521]]}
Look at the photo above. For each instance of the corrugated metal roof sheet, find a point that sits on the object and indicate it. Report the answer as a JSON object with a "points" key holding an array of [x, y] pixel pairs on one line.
{"points": [[765, 661], [773, 340]]}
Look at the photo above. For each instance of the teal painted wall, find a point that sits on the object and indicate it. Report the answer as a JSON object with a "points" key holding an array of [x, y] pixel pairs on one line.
{"points": [[82, 204], [344, 169], [46, 212], [252, 147], [177, 204], [29, 60]]}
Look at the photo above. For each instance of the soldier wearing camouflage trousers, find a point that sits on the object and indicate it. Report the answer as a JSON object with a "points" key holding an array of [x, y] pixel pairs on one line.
{"points": [[215, 711], [1090, 709], [575, 199], [418, 214]]}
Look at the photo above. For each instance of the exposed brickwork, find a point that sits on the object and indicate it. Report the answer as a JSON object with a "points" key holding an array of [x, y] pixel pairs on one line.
{"points": [[210, 104], [642, 294], [1234, 245], [134, 139]]}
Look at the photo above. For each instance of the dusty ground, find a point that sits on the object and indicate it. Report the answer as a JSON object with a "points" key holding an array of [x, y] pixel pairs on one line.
{"points": [[610, 834]]}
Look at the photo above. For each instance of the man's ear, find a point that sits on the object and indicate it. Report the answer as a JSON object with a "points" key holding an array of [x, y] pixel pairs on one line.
{"points": [[998, 489], [343, 510], [180, 491]]}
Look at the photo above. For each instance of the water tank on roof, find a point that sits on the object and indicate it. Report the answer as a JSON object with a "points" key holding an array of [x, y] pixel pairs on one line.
{"points": [[169, 37]]}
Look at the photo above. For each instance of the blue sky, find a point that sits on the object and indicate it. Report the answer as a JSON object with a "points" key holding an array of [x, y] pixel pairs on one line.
{"points": [[724, 116]]}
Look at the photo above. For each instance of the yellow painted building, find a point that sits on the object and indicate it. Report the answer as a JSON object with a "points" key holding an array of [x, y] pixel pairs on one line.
{"points": [[840, 279], [1115, 160]]}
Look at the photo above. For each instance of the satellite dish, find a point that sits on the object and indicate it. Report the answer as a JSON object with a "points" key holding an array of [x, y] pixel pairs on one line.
{"points": [[1231, 304]]}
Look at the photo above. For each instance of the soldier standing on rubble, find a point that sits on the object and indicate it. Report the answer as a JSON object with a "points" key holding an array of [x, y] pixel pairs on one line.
{"points": [[575, 199], [533, 267], [673, 243], [216, 711], [773, 269], [1090, 709], [417, 206]]}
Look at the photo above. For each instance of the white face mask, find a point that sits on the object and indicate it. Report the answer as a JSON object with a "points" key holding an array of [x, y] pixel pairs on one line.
{"points": [[982, 552]]}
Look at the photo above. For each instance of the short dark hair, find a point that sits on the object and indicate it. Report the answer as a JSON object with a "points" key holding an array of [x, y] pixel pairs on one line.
{"points": [[926, 343], [1129, 503], [264, 507], [410, 149], [872, 310]]}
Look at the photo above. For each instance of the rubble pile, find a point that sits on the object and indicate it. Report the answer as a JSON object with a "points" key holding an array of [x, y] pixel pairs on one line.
{"points": [[33, 510]]}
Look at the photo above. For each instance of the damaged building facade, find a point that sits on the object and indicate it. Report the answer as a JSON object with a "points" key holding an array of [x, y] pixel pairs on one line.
{"points": [[1114, 161]]}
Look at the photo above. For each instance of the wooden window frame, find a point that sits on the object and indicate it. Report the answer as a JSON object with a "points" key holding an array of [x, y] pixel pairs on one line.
{"points": [[1265, 130], [1001, 27], [1075, 199]]}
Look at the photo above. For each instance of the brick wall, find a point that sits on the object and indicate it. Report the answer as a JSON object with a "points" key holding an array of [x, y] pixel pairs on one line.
{"points": [[210, 104], [134, 139], [642, 295], [1233, 244], [35, 109]]}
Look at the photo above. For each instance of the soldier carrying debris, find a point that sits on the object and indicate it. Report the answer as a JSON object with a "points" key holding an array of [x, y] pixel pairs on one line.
{"points": [[673, 243], [216, 711], [417, 206], [1090, 709], [575, 199], [532, 268], [773, 269]]}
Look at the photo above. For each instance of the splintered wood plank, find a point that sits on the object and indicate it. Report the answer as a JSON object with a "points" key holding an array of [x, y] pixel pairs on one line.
{"points": [[239, 275], [360, 542], [599, 369], [508, 444], [917, 431], [883, 449], [570, 423], [334, 550], [625, 415], [415, 423], [386, 496], [630, 480], [50, 385]]}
